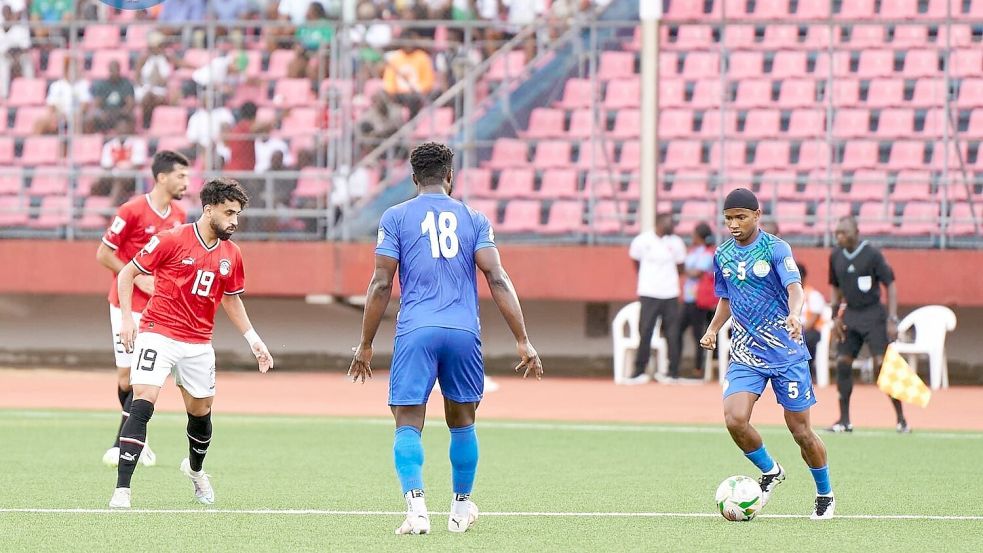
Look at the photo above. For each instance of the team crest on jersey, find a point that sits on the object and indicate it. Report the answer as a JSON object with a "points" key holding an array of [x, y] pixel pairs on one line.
{"points": [[151, 229], [761, 268], [224, 267], [380, 237], [117, 226]]}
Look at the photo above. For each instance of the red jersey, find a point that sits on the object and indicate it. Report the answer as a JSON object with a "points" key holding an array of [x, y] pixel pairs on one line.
{"points": [[190, 280], [135, 223]]}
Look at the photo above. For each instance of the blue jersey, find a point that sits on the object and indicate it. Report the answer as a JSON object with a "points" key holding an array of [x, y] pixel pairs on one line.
{"points": [[754, 278], [434, 237]]}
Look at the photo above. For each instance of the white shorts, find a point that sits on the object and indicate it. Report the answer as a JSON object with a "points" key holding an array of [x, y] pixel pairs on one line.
{"points": [[116, 320], [156, 356]]}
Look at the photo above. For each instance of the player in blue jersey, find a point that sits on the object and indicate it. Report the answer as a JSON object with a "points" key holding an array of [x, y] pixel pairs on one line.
{"points": [[436, 241], [758, 283]]}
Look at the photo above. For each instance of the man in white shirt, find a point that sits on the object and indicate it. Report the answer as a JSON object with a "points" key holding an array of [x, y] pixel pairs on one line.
{"points": [[15, 46], [659, 257], [205, 129]]}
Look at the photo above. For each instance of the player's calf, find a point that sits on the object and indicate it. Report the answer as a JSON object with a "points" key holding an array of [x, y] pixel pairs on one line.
{"points": [[132, 440]]}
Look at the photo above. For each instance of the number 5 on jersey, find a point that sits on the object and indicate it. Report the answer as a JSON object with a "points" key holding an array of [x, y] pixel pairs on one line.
{"points": [[442, 230]]}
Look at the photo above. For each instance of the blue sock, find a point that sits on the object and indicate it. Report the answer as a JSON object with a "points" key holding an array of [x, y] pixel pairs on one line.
{"points": [[821, 476], [464, 458], [761, 459], [408, 456]]}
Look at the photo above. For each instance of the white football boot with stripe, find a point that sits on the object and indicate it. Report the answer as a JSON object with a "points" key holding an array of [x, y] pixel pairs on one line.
{"points": [[417, 520], [204, 493], [463, 516], [120, 499], [825, 507], [769, 482]]}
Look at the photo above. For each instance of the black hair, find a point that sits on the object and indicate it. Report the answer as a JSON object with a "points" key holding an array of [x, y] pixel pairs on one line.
{"points": [[704, 231], [165, 161], [248, 111], [851, 220], [218, 190], [431, 163]]}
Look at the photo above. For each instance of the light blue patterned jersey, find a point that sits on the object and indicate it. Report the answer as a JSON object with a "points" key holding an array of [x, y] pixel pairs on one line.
{"points": [[754, 278]]}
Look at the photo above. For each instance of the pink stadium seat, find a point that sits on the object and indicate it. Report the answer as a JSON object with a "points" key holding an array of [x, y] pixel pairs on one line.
{"points": [[772, 154], [508, 66], [582, 124], [960, 219], [603, 154], [372, 86], [966, 63], [683, 154], [691, 36], [566, 216], [780, 184], [101, 60], [559, 183], [95, 213], [100, 37], [792, 217], [921, 63], [508, 152], [958, 36], [955, 154], [899, 9], [912, 185], [49, 182], [745, 65], [864, 36], [875, 63], [668, 64], [631, 156], [488, 208], [851, 123], [919, 218], [859, 155], [935, 123], [874, 218], [694, 212], [931, 92], [87, 149], [616, 65], [11, 180], [699, 65], [612, 217], [25, 119], [56, 60], [54, 212], [685, 10], [707, 94], [173, 143], [846, 92], [13, 211], [254, 63], [715, 121], [867, 185], [789, 64], [807, 123], [342, 88], [975, 8], [627, 124], [753, 93], [295, 92], [303, 121], [771, 9], [840, 61], [168, 120], [624, 93], [313, 183], [781, 37], [552, 153], [837, 210], [436, 123], [635, 44], [279, 62], [686, 185], [520, 216], [910, 36], [762, 123], [813, 154], [896, 123], [136, 37], [475, 182], [812, 10], [675, 123], [672, 93], [733, 155], [739, 37], [27, 92], [735, 9], [885, 93], [6, 150], [797, 93], [577, 93], [545, 123], [856, 9], [41, 150], [516, 183], [818, 37], [907, 154]]}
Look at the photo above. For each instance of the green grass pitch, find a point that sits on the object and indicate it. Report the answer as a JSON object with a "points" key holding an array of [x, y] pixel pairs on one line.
{"points": [[51, 460]]}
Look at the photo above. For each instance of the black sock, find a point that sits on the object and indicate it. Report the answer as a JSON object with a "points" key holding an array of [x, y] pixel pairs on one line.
{"points": [[844, 383], [898, 410], [199, 437], [125, 401], [132, 439]]}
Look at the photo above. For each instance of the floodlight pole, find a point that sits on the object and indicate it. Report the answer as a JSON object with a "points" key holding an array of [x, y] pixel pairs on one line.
{"points": [[650, 11]]}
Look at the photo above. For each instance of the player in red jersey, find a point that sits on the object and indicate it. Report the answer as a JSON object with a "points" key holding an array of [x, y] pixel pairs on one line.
{"points": [[135, 223], [196, 268]]}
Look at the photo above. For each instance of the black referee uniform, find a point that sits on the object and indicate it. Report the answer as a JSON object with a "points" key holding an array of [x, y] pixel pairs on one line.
{"points": [[859, 275]]}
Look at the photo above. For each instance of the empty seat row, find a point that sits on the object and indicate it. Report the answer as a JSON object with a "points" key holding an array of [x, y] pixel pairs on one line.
{"points": [[709, 36], [821, 9]]}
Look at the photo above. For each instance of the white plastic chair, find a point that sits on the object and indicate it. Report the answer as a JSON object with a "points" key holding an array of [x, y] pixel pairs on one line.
{"points": [[624, 330], [931, 323]]}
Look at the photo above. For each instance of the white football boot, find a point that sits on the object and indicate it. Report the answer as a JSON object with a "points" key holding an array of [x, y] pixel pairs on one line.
{"points": [[120, 499], [204, 493], [769, 482], [825, 506], [462, 521], [417, 520]]}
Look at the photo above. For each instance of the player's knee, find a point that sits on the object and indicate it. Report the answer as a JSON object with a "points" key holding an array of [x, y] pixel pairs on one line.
{"points": [[123, 380], [804, 436], [736, 423]]}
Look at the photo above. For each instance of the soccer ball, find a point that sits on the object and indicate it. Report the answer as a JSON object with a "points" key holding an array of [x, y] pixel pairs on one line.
{"points": [[739, 498]]}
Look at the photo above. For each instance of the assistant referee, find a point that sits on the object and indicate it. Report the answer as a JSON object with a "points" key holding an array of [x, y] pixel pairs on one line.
{"points": [[856, 272]]}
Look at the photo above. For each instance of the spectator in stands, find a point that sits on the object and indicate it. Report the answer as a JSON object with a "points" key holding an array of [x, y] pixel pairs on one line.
{"points": [[658, 256], [114, 98], [68, 99], [381, 120], [179, 14], [122, 154], [348, 187], [240, 140], [293, 13], [18, 10], [371, 39], [699, 300], [522, 14], [317, 31], [272, 154], [205, 128], [231, 11], [223, 73], [812, 317], [15, 50], [409, 75], [51, 12], [153, 72], [457, 59], [91, 10]]}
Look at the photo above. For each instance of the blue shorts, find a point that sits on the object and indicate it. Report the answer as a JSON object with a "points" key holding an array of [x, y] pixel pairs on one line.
{"points": [[428, 354], [792, 384]]}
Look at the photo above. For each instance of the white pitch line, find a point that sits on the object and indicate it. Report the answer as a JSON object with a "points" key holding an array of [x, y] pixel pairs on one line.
{"points": [[321, 512]]}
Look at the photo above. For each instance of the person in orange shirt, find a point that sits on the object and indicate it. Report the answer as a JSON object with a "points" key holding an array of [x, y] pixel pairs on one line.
{"points": [[409, 75]]}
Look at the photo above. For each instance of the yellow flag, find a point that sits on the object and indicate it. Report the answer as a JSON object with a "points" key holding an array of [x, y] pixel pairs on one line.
{"points": [[900, 382]]}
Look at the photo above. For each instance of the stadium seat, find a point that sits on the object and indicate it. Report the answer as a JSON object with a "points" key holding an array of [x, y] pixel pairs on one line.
{"points": [[874, 218], [694, 212], [136, 37], [173, 143], [631, 156], [919, 218], [627, 124], [956, 35], [616, 65], [900, 9], [781, 37], [862, 36], [772, 154], [577, 93], [624, 93], [690, 36], [552, 153], [508, 152], [818, 37], [912, 185], [6, 150], [475, 182], [168, 120], [855, 9], [699, 65], [910, 36], [41, 150], [716, 122], [789, 64], [846, 92], [11, 181], [520, 216], [875, 63], [841, 65], [100, 37], [861, 154], [960, 219], [303, 121], [56, 64], [883, 93], [792, 217], [611, 216], [753, 93], [735, 9], [837, 210], [685, 185], [101, 60], [27, 92], [54, 212], [682, 9], [797, 93], [866, 185], [436, 123], [733, 155], [921, 63], [762, 123], [582, 124], [509, 65], [26, 118], [672, 93], [957, 151], [675, 123], [771, 9], [907, 154], [545, 123], [515, 183], [931, 92], [851, 123], [559, 183], [13, 211], [95, 213], [603, 154], [295, 92], [626, 337], [813, 154], [966, 63], [807, 123], [707, 94], [777, 184], [86, 149], [564, 217], [895, 123], [668, 65], [745, 65], [488, 208], [313, 183]]}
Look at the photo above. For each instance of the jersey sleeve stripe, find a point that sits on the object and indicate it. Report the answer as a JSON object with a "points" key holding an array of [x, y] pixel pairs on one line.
{"points": [[110, 244], [134, 261], [234, 292]]}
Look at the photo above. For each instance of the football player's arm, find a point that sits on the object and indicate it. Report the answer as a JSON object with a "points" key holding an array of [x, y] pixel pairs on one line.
{"points": [[236, 310], [502, 291], [376, 301], [720, 316], [793, 323], [124, 286], [107, 258]]}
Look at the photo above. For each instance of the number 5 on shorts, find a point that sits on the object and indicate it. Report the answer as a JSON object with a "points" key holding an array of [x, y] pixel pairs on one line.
{"points": [[793, 390], [147, 359]]}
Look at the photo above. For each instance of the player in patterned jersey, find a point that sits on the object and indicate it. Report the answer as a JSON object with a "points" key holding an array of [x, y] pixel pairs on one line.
{"points": [[435, 242], [196, 268], [758, 283], [135, 223]]}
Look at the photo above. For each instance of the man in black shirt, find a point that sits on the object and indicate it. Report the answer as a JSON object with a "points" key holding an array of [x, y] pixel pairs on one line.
{"points": [[856, 272]]}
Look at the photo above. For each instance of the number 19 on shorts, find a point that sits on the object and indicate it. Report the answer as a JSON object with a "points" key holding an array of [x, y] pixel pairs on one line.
{"points": [[442, 230]]}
